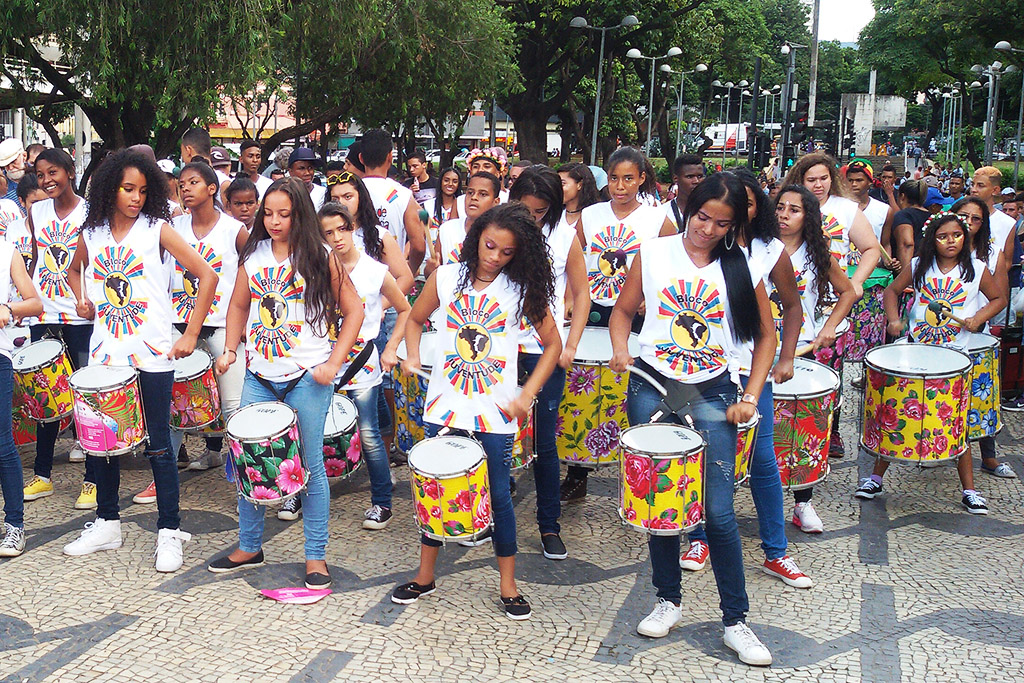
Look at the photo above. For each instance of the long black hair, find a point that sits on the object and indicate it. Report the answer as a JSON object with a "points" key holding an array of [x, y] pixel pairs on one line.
{"points": [[366, 215], [307, 250], [819, 256], [926, 254], [727, 188], [581, 173], [980, 242], [765, 225], [543, 183], [529, 270], [106, 181]]}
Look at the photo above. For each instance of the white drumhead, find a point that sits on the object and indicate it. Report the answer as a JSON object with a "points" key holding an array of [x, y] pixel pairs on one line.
{"points": [[981, 342], [445, 455], [428, 341], [661, 439], [918, 359], [810, 378], [596, 346], [341, 415], [96, 377], [194, 364], [36, 354], [843, 327], [260, 420]]}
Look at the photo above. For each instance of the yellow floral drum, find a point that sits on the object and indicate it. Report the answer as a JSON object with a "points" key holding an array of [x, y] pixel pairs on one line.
{"points": [[592, 413], [661, 487], [23, 427], [195, 401], [916, 399], [41, 371], [983, 417], [108, 410], [450, 488], [746, 434], [803, 407]]}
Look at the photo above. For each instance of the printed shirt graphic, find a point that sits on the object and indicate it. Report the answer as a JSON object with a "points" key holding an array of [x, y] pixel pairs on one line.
{"points": [[18, 235], [390, 200], [806, 287], [959, 296], [451, 235], [693, 309], [368, 278], [837, 214], [612, 244], [185, 287], [9, 212], [118, 268], [56, 243]]}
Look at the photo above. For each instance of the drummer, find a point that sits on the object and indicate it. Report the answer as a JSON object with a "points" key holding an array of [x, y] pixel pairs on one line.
{"points": [[689, 339], [945, 270]]}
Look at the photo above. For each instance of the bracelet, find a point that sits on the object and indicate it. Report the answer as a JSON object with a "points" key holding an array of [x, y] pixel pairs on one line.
{"points": [[749, 398], [232, 351]]}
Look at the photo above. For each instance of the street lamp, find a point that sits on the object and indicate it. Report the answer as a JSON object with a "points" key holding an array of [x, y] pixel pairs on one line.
{"points": [[636, 54], [727, 100], [994, 71], [739, 123], [700, 68], [788, 49], [1004, 46], [580, 22]]}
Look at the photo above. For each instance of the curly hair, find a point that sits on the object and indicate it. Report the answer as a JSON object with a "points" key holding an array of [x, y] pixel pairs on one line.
{"points": [[529, 270], [819, 256], [807, 162], [366, 214], [926, 254], [980, 241], [107, 179]]}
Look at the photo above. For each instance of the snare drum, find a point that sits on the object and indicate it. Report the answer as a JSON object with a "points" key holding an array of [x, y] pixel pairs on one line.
{"points": [[195, 402], [266, 450], [661, 487], [867, 317], [108, 410], [916, 399], [592, 413], [341, 445], [450, 488], [746, 435], [983, 417], [803, 408], [41, 370]]}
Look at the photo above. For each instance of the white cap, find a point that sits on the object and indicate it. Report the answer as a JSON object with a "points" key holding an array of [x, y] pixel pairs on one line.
{"points": [[166, 165], [9, 151]]}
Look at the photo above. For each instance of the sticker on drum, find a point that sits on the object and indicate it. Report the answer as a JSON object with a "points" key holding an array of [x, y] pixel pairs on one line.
{"points": [[661, 483], [984, 416], [266, 449], [803, 413], [342, 455], [41, 370], [450, 488], [108, 410], [195, 401]]}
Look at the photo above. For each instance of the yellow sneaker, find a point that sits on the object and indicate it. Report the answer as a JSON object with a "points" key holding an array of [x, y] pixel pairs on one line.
{"points": [[87, 499], [38, 488]]}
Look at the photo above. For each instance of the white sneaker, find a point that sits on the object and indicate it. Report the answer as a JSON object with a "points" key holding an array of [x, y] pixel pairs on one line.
{"points": [[168, 549], [740, 639], [76, 454], [207, 460], [806, 519], [658, 623], [14, 541], [103, 534]]}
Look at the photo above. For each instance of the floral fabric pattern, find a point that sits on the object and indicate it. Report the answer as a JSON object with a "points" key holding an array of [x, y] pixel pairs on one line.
{"points": [[803, 429], [342, 456], [454, 507], [46, 393], [269, 472], [745, 437], [983, 417], [662, 495], [195, 403], [110, 422], [867, 325], [591, 416]]}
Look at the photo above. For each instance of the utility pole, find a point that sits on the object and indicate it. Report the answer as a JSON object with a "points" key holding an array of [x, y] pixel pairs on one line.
{"points": [[812, 87]]}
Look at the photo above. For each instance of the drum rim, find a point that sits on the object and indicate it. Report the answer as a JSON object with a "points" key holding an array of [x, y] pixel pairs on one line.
{"points": [[426, 367], [40, 366], [206, 368], [456, 473], [658, 532], [355, 418], [808, 397], [142, 443], [107, 387], [890, 458], [989, 346], [275, 435], [920, 375], [660, 456]]}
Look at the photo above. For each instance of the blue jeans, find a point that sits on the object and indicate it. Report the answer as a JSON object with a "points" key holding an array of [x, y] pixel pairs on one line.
{"points": [[372, 445], [76, 339], [12, 483], [765, 483], [311, 401], [545, 465], [387, 326], [498, 449], [719, 465], [156, 406]]}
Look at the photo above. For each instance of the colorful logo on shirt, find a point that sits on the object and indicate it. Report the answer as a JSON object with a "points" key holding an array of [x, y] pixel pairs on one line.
{"points": [[470, 367], [455, 255], [933, 329], [57, 244], [693, 309], [184, 299], [615, 246], [273, 332], [833, 230], [118, 269], [6, 218]]}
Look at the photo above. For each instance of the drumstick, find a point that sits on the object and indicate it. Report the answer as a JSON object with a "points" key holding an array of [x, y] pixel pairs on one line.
{"points": [[81, 298], [803, 350], [425, 220], [650, 380], [421, 373], [940, 309]]}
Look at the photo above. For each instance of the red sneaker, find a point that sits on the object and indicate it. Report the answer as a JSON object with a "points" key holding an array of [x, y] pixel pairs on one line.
{"points": [[696, 557], [785, 568], [147, 496]]}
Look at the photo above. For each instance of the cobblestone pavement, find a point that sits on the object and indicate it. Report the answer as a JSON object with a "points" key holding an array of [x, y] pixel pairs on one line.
{"points": [[908, 587]]}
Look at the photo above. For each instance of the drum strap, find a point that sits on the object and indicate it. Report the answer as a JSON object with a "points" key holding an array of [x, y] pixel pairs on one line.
{"points": [[679, 397], [355, 366], [280, 395], [679, 219]]}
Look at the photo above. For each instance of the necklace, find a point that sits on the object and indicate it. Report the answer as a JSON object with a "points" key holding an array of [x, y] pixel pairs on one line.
{"points": [[576, 211], [483, 279]]}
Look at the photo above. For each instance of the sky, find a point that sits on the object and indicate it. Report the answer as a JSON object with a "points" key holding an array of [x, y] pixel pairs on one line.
{"points": [[842, 20]]}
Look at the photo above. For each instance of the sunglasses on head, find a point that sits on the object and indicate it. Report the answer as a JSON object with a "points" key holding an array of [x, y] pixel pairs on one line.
{"points": [[339, 178]]}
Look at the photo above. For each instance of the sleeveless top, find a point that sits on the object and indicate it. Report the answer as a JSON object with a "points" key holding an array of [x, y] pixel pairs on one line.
{"points": [[9, 212], [368, 278], [218, 250], [876, 213], [451, 235], [761, 259], [7, 254], [837, 215], [18, 235], [959, 295], [280, 343], [391, 200], [475, 369], [559, 241], [129, 283], [612, 244], [56, 242]]}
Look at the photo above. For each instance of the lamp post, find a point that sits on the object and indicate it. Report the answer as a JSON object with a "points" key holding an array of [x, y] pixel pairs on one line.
{"points": [[727, 100], [994, 71], [700, 68], [739, 120], [788, 49], [636, 54], [1004, 46], [581, 22]]}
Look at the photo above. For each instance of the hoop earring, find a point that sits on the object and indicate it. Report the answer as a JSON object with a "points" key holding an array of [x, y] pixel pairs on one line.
{"points": [[686, 231], [728, 247]]}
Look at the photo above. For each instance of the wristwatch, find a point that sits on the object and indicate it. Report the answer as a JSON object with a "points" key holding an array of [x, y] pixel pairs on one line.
{"points": [[749, 398]]}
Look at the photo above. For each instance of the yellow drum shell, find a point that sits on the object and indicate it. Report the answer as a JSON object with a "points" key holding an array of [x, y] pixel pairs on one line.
{"points": [[450, 488], [661, 484]]}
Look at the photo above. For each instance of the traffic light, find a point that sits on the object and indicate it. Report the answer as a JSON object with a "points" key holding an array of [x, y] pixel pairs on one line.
{"points": [[800, 119], [762, 150]]}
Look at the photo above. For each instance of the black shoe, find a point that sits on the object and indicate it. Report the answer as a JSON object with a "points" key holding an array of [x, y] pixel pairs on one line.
{"points": [[291, 510], [554, 549], [408, 593], [516, 608], [224, 565], [316, 581], [397, 457], [485, 537], [376, 517], [183, 461], [512, 487], [573, 490]]}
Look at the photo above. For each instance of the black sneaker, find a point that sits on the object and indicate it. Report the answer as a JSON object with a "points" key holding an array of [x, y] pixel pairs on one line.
{"points": [[516, 608], [835, 446], [573, 490], [554, 549], [868, 489], [377, 517], [224, 565], [183, 461], [408, 593], [512, 487], [397, 458], [291, 510], [316, 581], [485, 537], [974, 503]]}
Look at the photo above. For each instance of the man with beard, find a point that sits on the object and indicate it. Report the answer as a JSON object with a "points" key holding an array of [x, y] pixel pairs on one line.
{"points": [[12, 160]]}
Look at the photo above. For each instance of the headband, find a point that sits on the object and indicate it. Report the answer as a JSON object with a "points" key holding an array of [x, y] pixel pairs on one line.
{"points": [[495, 155]]}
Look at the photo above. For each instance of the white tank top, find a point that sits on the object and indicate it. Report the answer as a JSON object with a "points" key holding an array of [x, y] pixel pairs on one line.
{"points": [[559, 241], [218, 250], [959, 295], [280, 344], [368, 278], [9, 212], [686, 334], [876, 213], [761, 259], [7, 254], [837, 214], [129, 283], [474, 370], [612, 244], [391, 200], [18, 235], [451, 235], [56, 241]]}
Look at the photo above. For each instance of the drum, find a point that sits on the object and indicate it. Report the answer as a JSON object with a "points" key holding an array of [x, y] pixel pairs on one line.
{"points": [[523, 451], [108, 410], [195, 403], [833, 356], [803, 408], [341, 445], [23, 428], [746, 435], [916, 399], [450, 488], [41, 371], [266, 450], [867, 317], [661, 483], [1011, 371], [983, 417], [592, 413]]}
